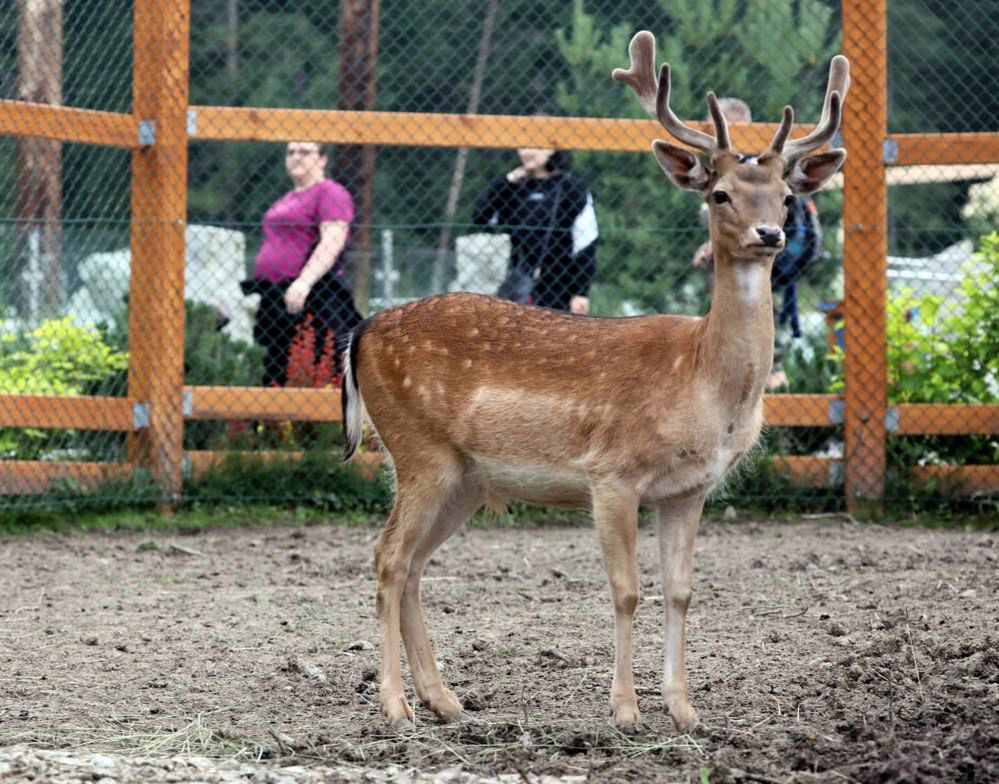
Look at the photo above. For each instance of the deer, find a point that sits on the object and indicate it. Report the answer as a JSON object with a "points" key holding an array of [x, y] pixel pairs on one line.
{"points": [[475, 401]]}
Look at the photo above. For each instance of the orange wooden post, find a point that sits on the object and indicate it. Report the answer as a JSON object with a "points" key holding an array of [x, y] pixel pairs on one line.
{"points": [[865, 250], [159, 215]]}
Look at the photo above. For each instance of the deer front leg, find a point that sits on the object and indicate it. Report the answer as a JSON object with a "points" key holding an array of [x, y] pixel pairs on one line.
{"points": [[678, 521], [615, 512]]}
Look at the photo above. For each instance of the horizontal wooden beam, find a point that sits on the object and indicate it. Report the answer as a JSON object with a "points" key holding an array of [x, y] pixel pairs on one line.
{"points": [[938, 419], [410, 129], [810, 471], [282, 404], [66, 124], [38, 477], [960, 480], [945, 148], [58, 412], [55, 412], [798, 410]]}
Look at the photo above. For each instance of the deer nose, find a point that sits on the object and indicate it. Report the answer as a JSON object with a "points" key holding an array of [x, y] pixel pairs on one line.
{"points": [[769, 236]]}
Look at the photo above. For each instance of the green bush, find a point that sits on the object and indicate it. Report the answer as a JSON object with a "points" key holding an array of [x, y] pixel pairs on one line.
{"points": [[317, 479], [938, 355], [57, 358], [212, 357]]}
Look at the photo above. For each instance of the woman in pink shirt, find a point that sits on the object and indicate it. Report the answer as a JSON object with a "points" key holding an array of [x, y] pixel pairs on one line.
{"points": [[297, 271]]}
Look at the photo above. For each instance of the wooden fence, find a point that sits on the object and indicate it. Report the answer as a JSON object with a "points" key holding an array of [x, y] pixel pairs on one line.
{"points": [[158, 218]]}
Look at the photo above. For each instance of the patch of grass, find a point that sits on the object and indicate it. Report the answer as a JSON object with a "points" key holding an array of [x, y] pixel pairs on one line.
{"points": [[193, 736], [478, 745]]}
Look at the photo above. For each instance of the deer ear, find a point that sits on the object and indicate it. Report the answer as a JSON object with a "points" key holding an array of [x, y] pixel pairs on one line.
{"points": [[811, 173], [683, 168]]}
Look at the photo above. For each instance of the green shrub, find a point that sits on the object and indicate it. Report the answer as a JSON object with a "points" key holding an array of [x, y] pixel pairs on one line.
{"points": [[938, 355], [57, 358], [212, 357]]}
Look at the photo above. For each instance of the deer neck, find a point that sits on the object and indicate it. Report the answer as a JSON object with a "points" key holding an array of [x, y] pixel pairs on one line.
{"points": [[739, 336]]}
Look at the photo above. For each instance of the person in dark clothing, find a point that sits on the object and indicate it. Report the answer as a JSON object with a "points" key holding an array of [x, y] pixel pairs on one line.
{"points": [[298, 271], [548, 212]]}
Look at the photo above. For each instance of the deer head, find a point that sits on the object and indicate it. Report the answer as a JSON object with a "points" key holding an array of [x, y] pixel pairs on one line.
{"points": [[747, 195]]}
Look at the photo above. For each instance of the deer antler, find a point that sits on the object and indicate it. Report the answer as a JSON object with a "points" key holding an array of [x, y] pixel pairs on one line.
{"points": [[653, 95], [832, 106]]}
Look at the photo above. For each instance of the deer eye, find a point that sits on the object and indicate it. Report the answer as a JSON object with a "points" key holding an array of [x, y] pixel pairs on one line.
{"points": [[788, 201], [720, 197]]}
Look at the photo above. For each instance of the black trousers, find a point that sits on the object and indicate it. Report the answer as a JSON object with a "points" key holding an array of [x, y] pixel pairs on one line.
{"points": [[331, 306]]}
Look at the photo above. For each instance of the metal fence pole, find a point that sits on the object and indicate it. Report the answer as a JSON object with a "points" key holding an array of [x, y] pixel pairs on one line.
{"points": [[159, 213], [865, 248]]}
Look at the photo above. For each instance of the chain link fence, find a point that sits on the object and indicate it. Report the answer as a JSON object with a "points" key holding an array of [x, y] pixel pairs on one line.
{"points": [[277, 223]]}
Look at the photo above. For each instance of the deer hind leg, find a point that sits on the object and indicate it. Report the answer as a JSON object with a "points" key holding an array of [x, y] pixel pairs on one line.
{"points": [[615, 512], [678, 522], [418, 499], [463, 502]]}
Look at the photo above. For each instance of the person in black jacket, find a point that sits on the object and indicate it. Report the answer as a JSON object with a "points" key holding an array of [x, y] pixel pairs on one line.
{"points": [[548, 212]]}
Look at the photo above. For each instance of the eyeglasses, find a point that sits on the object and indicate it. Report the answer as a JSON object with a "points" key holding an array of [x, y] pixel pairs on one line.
{"points": [[297, 153]]}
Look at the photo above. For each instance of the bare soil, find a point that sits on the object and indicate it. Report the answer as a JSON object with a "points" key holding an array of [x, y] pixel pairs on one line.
{"points": [[818, 651]]}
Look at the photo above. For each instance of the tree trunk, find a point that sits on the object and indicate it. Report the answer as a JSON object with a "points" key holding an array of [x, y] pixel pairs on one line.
{"points": [[461, 160], [39, 163], [355, 169]]}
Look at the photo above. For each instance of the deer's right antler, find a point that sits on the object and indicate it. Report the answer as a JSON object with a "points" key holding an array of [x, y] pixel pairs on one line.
{"points": [[653, 95], [832, 111]]}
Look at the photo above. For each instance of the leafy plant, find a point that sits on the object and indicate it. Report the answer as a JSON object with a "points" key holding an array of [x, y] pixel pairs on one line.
{"points": [[57, 358], [212, 357], [936, 355]]}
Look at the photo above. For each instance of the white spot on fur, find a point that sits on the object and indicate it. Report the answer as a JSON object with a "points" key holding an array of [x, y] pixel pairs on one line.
{"points": [[467, 363], [677, 362], [407, 382]]}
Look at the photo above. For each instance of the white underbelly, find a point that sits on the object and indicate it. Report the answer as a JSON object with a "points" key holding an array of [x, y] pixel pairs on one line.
{"points": [[533, 483]]}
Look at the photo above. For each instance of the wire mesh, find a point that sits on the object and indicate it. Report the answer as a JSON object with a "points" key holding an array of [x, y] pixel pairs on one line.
{"points": [[286, 241]]}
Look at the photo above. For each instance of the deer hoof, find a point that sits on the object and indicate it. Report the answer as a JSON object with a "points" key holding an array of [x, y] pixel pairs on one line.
{"points": [[626, 718], [445, 706], [404, 725], [398, 713], [684, 716]]}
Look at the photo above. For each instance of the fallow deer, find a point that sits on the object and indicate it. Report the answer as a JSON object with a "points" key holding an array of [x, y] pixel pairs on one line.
{"points": [[475, 399]]}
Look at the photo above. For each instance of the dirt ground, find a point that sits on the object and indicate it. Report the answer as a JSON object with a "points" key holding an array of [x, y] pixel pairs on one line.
{"points": [[821, 650]]}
